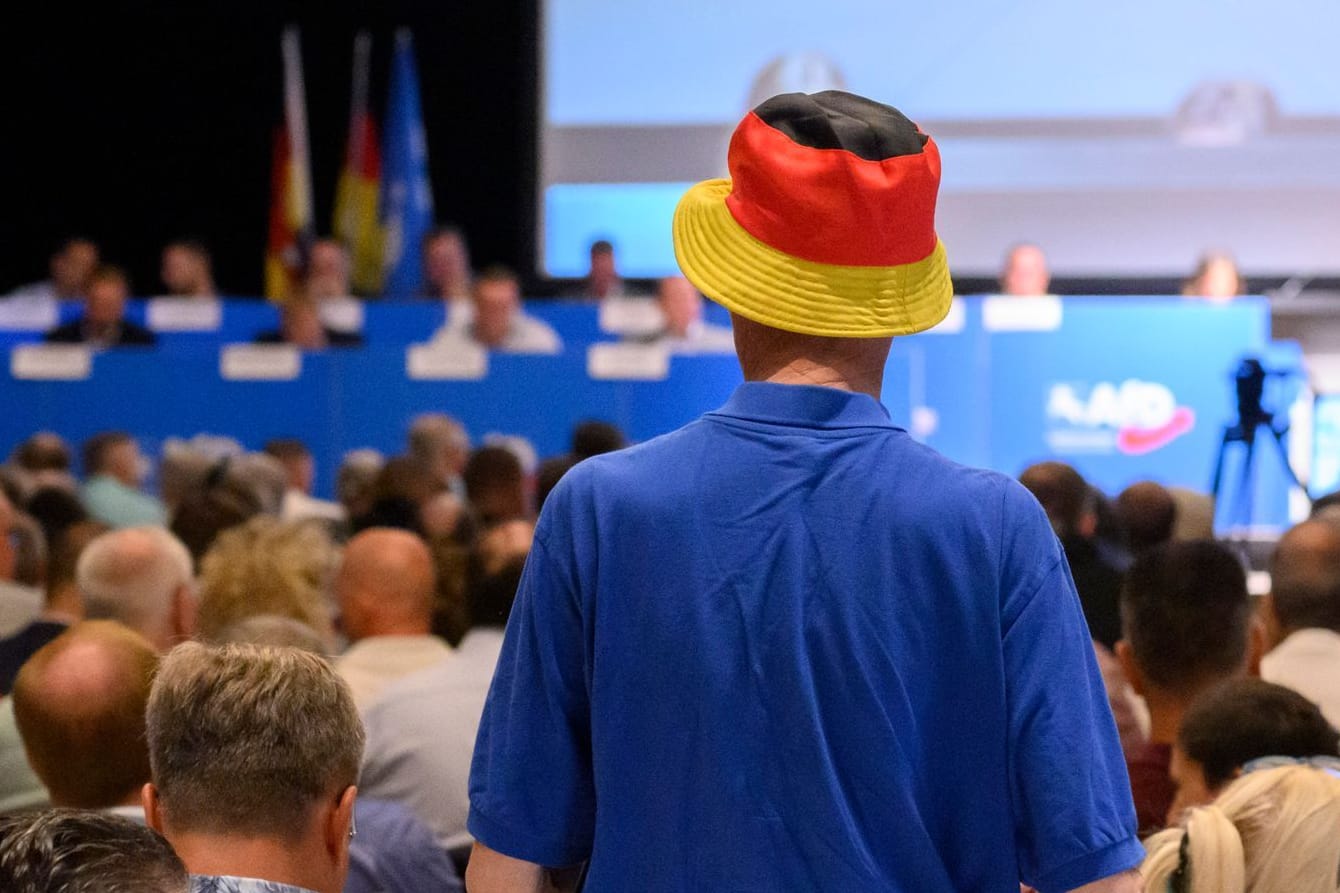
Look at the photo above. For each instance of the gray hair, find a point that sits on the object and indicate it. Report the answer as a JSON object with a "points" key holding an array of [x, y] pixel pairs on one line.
{"points": [[433, 433], [77, 851], [131, 575], [265, 476], [275, 631], [248, 740]]}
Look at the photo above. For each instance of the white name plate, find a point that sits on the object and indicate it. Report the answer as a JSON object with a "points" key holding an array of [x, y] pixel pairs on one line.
{"points": [[1005, 313], [184, 314], [628, 362], [51, 362], [458, 361], [20, 314], [342, 314], [260, 362], [953, 322], [630, 316]]}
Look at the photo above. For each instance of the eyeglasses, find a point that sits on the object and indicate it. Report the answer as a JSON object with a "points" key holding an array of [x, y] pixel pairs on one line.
{"points": [[1328, 764]]}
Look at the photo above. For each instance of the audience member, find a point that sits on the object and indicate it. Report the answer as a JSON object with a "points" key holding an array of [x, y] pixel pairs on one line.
{"points": [[1271, 830], [496, 485], [224, 502], [499, 322], [1147, 514], [63, 604], [685, 331], [266, 566], [1024, 273], [446, 266], [300, 325], [70, 268], [19, 604], [1216, 277], [141, 578], [183, 472], [55, 509], [440, 444], [1302, 615], [254, 754], [300, 473], [187, 270], [30, 551], [591, 438], [43, 451], [103, 323], [1069, 504], [403, 486], [79, 702], [421, 731], [327, 271], [550, 473], [79, 851], [356, 480], [385, 588], [444, 515], [1236, 722], [1195, 514], [1187, 626], [114, 471]]}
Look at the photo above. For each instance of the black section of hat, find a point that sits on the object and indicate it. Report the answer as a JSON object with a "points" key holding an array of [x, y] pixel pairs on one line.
{"points": [[837, 120]]}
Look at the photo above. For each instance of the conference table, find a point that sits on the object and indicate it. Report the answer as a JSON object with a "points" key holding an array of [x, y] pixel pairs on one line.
{"points": [[1125, 389]]}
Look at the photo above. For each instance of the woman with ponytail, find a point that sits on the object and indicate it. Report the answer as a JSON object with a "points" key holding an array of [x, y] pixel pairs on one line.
{"points": [[1271, 831]]}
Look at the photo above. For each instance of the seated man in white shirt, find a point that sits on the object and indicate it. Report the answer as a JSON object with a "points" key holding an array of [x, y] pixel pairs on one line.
{"points": [[1302, 615], [499, 322], [421, 731], [385, 588], [300, 471]]}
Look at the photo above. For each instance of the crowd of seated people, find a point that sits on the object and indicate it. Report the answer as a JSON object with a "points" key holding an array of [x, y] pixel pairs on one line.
{"points": [[376, 620]]}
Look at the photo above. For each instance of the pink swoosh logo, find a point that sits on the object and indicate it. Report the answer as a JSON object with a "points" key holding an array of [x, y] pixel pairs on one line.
{"points": [[1138, 441]]}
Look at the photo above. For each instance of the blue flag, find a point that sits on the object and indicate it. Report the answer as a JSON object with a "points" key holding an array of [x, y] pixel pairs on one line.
{"points": [[406, 200]]}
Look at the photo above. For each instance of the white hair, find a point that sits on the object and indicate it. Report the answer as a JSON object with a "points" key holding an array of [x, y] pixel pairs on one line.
{"points": [[131, 576]]}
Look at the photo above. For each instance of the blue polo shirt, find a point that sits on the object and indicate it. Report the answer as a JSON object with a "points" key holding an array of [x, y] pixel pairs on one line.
{"points": [[789, 648]]}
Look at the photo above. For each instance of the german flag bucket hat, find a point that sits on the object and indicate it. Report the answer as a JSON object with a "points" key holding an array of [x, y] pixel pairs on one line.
{"points": [[827, 223]]}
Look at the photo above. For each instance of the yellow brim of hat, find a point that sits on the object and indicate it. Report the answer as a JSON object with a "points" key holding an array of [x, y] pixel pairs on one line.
{"points": [[761, 283]]}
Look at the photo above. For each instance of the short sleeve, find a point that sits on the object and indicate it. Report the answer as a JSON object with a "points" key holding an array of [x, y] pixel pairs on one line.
{"points": [[1074, 820], [531, 790]]}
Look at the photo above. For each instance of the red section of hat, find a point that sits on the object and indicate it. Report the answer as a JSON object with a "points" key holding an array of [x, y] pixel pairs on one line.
{"points": [[830, 206]]}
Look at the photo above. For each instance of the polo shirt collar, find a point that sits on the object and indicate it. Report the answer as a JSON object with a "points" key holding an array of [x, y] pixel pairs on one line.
{"points": [[809, 406]]}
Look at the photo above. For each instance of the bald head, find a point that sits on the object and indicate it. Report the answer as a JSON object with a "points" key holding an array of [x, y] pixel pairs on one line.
{"points": [[1305, 577], [1147, 513], [79, 702], [140, 577], [386, 585]]}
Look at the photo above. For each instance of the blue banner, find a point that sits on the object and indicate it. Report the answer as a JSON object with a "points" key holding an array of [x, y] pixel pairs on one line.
{"points": [[406, 200]]}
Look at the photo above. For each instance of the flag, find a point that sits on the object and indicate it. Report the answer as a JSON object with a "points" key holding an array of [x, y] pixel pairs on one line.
{"points": [[406, 201], [291, 217], [356, 196]]}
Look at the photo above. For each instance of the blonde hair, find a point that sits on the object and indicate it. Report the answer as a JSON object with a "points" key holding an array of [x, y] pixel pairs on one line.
{"points": [[266, 566], [1276, 829]]}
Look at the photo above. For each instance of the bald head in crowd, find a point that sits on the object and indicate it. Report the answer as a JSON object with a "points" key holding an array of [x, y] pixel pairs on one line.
{"points": [[79, 703], [1147, 513], [1305, 580], [1064, 496], [385, 585], [140, 577]]}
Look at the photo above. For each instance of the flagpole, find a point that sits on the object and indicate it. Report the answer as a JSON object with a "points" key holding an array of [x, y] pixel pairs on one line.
{"points": [[295, 117]]}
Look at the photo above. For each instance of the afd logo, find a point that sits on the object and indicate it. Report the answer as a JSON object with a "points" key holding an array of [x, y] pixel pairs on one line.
{"points": [[1133, 417]]}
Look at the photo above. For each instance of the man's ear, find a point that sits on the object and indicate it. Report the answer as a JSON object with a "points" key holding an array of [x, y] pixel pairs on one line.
{"points": [[153, 809], [1270, 620], [1256, 644], [183, 613], [339, 825], [1129, 668]]}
